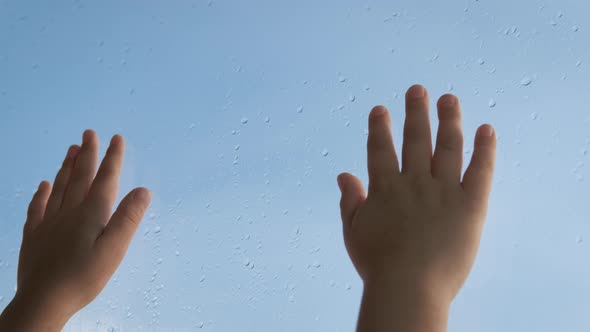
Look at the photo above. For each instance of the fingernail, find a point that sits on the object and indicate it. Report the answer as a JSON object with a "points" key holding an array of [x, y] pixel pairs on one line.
{"points": [[86, 136], [378, 110], [72, 151], [339, 180], [115, 138], [415, 92], [487, 131], [449, 101], [143, 195]]}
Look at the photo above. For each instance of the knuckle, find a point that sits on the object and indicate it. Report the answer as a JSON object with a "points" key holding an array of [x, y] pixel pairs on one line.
{"points": [[485, 164], [381, 185], [450, 143], [131, 216]]}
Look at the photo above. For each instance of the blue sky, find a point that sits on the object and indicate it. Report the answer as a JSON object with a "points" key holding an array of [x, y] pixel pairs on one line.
{"points": [[239, 116]]}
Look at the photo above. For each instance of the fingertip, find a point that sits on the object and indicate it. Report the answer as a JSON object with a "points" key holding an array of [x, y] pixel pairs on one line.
{"points": [[343, 180], [143, 195], [377, 111], [44, 186], [416, 91], [448, 100], [87, 136], [486, 131], [73, 151], [117, 140]]}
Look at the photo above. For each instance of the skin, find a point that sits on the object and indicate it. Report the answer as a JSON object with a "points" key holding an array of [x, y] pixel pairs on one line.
{"points": [[414, 237], [72, 242]]}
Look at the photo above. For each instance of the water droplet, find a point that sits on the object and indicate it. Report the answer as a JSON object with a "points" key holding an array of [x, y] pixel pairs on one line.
{"points": [[244, 120], [157, 229], [202, 278], [348, 286], [267, 119], [341, 79], [177, 253], [324, 152], [450, 87], [578, 64], [575, 28], [481, 61], [347, 124], [492, 103], [237, 147], [352, 98], [300, 109], [201, 324], [534, 115], [316, 264], [579, 239], [526, 81]]}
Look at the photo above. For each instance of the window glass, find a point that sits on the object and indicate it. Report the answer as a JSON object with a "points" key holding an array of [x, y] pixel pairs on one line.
{"points": [[239, 115]]}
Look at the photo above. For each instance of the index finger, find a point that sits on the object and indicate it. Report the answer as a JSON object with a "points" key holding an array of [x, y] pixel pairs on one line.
{"points": [[381, 157], [103, 191]]}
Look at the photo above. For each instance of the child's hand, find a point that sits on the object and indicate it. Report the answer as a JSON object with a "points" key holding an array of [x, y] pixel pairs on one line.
{"points": [[72, 242], [415, 236]]}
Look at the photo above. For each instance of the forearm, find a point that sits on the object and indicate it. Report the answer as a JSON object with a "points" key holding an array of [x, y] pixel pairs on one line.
{"points": [[23, 316], [387, 307]]}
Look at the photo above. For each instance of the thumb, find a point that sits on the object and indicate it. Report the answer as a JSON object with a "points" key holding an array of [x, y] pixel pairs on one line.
{"points": [[353, 195], [112, 245]]}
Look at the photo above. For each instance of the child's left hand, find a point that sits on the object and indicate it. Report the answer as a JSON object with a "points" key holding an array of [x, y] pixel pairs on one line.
{"points": [[72, 242]]}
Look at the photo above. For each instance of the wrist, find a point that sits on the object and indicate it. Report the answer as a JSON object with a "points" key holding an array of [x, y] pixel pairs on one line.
{"points": [[392, 304], [25, 314], [418, 284]]}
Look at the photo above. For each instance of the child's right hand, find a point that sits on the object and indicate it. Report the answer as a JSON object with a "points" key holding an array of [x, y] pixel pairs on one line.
{"points": [[415, 236]]}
